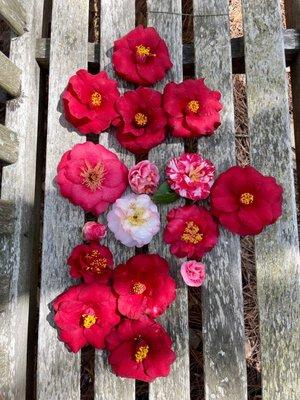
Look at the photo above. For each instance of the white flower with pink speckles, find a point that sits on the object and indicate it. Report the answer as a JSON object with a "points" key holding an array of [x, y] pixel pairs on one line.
{"points": [[191, 176]]}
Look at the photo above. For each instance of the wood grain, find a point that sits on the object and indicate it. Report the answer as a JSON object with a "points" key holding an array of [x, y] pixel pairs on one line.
{"points": [[222, 301], [177, 384], [277, 248], [10, 76], [7, 217], [8, 145], [14, 14], [58, 373], [18, 187]]}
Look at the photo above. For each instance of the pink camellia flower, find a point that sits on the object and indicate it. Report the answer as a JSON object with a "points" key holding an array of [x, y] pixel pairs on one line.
{"points": [[144, 177], [190, 175], [91, 176], [93, 231], [193, 273]]}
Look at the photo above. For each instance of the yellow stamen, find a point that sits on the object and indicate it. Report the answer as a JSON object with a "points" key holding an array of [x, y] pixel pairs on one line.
{"points": [[95, 262], [96, 99], [137, 218], [191, 233], [141, 119], [195, 174], [93, 177], [88, 320], [138, 288], [141, 353], [143, 51], [194, 106], [247, 198]]}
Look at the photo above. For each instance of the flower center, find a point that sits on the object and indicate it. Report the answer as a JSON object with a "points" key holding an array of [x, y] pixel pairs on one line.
{"points": [[195, 174], [143, 51], [247, 198], [141, 353], [194, 106], [93, 177], [137, 218], [138, 288], [94, 262], [191, 233], [96, 99], [88, 320], [141, 119]]}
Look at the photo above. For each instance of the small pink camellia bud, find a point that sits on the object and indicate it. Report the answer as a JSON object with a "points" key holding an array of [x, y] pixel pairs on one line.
{"points": [[193, 273], [144, 178], [93, 231]]}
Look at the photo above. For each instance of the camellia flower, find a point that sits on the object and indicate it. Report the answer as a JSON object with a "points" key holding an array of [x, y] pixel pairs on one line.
{"points": [[93, 231], [85, 314], [141, 56], [92, 262], [191, 231], [91, 176], [144, 177], [190, 175], [144, 286], [192, 108], [142, 121], [89, 101], [134, 219], [140, 349], [245, 201], [193, 273]]}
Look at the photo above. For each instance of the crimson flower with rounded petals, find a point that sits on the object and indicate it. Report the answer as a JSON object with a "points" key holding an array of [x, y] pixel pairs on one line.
{"points": [[192, 108], [141, 56], [140, 349], [89, 101], [92, 262], [245, 201], [144, 286], [93, 231], [85, 314], [91, 176], [191, 231], [142, 121]]}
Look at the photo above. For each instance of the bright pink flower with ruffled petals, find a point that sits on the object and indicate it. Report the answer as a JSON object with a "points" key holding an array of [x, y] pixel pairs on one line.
{"points": [[193, 273], [190, 175], [91, 176], [93, 231], [85, 314], [140, 349], [89, 101], [144, 177]]}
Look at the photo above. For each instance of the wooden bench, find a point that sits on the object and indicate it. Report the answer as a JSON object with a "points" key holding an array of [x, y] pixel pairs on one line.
{"points": [[23, 292]]}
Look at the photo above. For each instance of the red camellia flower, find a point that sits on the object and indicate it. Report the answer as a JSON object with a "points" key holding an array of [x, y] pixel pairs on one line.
{"points": [[140, 350], [191, 231], [141, 56], [89, 101], [85, 314], [192, 108], [91, 176], [245, 201], [92, 262], [144, 286], [142, 121]]}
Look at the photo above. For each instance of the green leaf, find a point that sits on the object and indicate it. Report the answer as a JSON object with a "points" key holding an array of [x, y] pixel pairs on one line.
{"points": [[164, 194]]}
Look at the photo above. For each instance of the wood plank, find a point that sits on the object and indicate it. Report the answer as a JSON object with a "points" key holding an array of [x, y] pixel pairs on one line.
{"points": [[7, 217], [58, 374], [222, 300], [14, 14], [117, 18], [165, 17], [8, 145], [10, 76], [18, 187], [277, 248]]}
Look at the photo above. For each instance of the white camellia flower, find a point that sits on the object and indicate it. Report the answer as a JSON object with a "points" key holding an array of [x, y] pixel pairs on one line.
{"points": [[134, 220]]}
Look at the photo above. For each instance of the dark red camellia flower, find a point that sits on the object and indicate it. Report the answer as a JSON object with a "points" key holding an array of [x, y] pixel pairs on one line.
{"points": [[85, 314], [140, 349], [92, 262], [245, 201], [192, 108], [141, 56], [141, 121], [191, 231], [144, 286], [89, 101]]}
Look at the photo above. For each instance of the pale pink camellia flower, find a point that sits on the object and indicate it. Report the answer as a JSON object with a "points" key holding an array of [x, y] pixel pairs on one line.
{"points": [[93, 231], [144, 177], [134, 220], [191, 176], [193, 273]]}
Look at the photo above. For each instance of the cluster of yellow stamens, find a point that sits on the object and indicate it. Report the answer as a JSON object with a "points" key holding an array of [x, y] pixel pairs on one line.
{"points": [[141, 119], [247, 198], [138, 288], [191, 233], [95, 262], [141, 353], [196, 174], [93, 177], [194, 106], [96, 99], [143, 51], [88, 320], [138, 216]]}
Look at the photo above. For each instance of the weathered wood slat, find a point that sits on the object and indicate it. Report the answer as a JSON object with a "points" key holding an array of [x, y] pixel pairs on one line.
{"points": [[222, 301], [277, 248], [18, 187], [13, 12], [10, 76], [7, 217], [58, 375], [175, 320], [8, 145], [117, 19]]}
